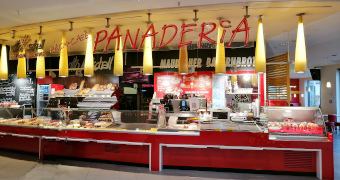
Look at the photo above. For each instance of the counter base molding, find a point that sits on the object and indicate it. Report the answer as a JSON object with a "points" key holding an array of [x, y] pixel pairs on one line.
{"points": [[238, 150]]}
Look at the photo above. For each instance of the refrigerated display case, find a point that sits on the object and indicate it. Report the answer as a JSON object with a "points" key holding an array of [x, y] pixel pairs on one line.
{"points": [[43, 96], [296, 123]]}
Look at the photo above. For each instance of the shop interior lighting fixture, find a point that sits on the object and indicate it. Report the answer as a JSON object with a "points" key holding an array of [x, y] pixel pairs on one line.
{"points": [[328, 85], [260, 49], [147, 53], [246, 77], [3, 62], [183, 58], [21, 69], [302, 95], [295, 95], [88, 66], [40, 66], [118, 61], [63, 62], [300, 50], [254, 80], [220, 52], [233, 79]]}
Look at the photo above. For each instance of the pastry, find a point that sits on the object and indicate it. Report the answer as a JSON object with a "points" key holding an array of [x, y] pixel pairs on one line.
{"points": [[95, 87], [112, 88], [108, 86], [60, 92], [73, 86]]}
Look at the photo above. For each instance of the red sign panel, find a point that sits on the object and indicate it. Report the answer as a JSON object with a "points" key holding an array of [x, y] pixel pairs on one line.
{"points": [[196, 83]]}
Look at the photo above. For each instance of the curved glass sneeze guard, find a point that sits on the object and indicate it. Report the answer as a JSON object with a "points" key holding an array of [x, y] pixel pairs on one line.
{"points": [[296, 120]]}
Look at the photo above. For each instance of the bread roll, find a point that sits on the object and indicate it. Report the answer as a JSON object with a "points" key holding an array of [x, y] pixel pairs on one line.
{"points": [[82, 85], [108, 86], [95, 87]]}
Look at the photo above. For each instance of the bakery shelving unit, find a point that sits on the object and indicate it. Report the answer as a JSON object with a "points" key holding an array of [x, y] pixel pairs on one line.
{"points": [[98, 100], [106, 99]]}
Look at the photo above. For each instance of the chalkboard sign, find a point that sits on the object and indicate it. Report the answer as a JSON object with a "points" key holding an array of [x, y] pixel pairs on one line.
{"points": [[22, 91]]}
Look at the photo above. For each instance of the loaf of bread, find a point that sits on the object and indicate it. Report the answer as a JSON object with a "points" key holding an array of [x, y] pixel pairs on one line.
{"points": [[80, 92], [82, 84]]}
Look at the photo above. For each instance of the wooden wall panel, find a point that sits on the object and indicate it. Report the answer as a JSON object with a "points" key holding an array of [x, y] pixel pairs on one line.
{"points": [[277, 78]]}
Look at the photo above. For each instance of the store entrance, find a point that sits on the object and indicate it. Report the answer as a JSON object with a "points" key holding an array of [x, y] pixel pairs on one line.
{"points": [[313, 94]]}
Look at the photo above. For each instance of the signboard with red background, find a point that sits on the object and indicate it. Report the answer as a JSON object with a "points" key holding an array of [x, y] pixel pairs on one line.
{"points": [[198, 83]]}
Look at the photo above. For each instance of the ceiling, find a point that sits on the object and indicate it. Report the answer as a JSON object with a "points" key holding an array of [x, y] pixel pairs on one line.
{"points": [[322, 22]]}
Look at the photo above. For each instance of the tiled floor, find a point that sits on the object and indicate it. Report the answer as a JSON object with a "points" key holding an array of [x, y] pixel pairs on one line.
{"points": [[19, 166]]}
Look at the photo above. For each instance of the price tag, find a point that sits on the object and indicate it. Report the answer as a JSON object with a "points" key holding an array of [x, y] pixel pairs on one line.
{"points": [[82, 95], [68, 95], [108, 96], [90, 95], [153, 129], [53, 96], [103, 95], [94, 95]]}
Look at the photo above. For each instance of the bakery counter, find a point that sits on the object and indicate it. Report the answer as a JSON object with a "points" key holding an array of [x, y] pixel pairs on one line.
{"points": [[216, 149]]}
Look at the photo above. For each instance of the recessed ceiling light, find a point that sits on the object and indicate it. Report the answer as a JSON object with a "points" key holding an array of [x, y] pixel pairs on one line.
{"points": [[283, 44]]}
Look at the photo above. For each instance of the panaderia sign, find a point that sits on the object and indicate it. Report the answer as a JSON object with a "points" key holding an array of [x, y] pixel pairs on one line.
{"points": [[103, 36]]}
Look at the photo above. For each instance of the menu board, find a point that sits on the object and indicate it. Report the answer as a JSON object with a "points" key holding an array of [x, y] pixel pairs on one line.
{"points": [[21, 91], [198, 84]]}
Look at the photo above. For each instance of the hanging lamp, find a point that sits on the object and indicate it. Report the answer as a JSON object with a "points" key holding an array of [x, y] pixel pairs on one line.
{"points": [[233, 79], [21, 69], [40, 66], [260, 49], [147, 53], [254, 80], [183, 58], [3, 62], [63, 62], [88, 66], [220, 53], [118, 61], [300, 50]]}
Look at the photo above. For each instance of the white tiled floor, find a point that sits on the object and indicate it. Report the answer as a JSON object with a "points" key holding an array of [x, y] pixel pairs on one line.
{"points": [[20, 166]]}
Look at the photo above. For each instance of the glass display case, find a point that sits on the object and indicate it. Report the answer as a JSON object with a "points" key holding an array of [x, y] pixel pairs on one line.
{"points": [[296, 122], [282, 121]]}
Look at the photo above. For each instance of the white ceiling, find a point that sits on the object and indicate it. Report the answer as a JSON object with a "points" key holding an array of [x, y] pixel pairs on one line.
{"points": [[322, 20]]}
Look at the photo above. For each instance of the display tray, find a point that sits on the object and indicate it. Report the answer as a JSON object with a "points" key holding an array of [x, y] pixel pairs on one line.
{"points": [[298, 137], [135, 126]]}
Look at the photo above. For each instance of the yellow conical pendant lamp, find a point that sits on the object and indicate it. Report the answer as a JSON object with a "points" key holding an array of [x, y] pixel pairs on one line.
{"points": [[183, 59], [3, 63], [147, 56], [233, 79], [40, 66], [118, 61], [300, 50], [254, 80], [21, 70], [63, 62], [220, 53], [260, 49], [88, 66]]}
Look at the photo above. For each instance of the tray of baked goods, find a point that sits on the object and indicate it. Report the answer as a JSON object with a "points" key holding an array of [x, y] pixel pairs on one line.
{"points": [[98, 90]]}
